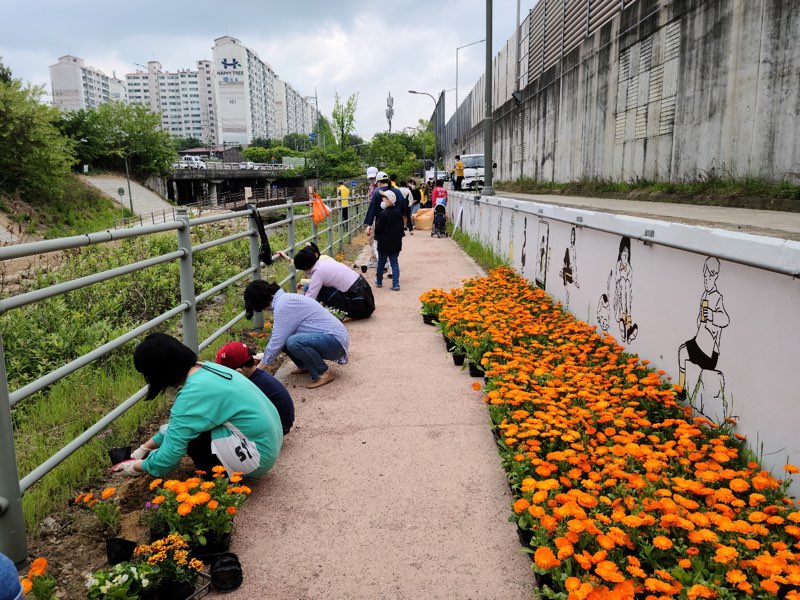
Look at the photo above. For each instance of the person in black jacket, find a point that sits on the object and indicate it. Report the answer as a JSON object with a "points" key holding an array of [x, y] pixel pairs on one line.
{"points": [[389, 232]]}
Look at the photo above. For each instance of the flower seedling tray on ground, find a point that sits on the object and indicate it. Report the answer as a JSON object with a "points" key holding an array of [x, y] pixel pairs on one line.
{"points": [[203, 586]]}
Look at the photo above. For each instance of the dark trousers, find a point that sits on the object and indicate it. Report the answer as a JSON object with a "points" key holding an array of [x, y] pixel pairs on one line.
{"points": [[199, 450], [457, 184], [357, 302], [345, 212]]}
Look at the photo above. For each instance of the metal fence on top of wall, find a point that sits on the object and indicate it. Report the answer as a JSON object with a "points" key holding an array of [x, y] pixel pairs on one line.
{"points": [[331, 237]]}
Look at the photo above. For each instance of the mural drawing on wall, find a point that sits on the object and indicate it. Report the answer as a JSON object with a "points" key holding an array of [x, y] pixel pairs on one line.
{"points": [[542, 254], [569, 272], [706, 393], [615, 305], [523, 256]]}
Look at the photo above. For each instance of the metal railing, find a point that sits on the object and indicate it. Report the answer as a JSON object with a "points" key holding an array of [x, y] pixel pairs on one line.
{"points": [[337, 232]]}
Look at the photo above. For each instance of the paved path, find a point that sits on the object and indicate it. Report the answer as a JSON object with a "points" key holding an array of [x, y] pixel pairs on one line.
{"points": [[390, 485], [145, 201], [761, 222]]}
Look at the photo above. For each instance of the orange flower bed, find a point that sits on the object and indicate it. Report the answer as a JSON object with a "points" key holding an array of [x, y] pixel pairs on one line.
{"points": [[624, 493]]}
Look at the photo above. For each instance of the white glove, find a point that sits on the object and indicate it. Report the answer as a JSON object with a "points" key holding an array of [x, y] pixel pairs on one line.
{"points": [[127, 467], [141, 452]]}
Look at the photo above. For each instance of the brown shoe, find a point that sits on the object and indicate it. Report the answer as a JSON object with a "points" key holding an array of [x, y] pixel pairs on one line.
{"points": [[326, 377], [298, 371]]}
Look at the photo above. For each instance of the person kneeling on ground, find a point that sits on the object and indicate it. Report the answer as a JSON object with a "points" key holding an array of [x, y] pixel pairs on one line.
{"points": [[335, 284], [237, 356], [219, 417], [302, 328]]}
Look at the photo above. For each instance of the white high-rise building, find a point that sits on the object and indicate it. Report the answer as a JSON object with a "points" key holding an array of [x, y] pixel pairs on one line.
{"points": [[77, 86], [245, 87], [185, 99]]}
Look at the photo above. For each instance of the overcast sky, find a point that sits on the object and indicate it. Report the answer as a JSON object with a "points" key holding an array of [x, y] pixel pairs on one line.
{"points": [[343, 46]]}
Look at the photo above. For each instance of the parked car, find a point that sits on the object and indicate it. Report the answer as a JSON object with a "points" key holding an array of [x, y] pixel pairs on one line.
{"points": [[190, 162], [248, 165]]}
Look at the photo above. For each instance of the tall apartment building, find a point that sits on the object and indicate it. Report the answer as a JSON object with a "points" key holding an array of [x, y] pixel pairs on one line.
{"points": [[184, 98], [294, 113], [77, 86]]}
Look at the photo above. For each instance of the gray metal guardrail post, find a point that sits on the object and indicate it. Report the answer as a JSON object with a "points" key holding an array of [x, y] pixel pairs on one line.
{"points": [[255, 262], [189, 317], [12, 524], [329, 221], [314, 231], [290, 239], [340, 230]]}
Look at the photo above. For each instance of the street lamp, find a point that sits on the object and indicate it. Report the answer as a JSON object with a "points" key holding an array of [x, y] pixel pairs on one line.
{"points": [[457, 49], [435, 104]]}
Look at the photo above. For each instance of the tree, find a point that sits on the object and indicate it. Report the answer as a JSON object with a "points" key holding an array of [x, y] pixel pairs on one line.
{"points": [[5, 72], [296, 141], [264, 142], [344, 119], [36, 157], [184, 143]]}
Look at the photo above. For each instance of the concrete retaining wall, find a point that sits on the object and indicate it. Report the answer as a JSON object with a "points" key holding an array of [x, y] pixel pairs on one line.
{"points": [[667, 89], [627, 276]]}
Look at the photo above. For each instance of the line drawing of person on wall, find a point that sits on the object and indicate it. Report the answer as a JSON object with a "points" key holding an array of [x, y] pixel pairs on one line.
{"points": [[542, 254], [623, 292], [703, 349], [569, 272]]}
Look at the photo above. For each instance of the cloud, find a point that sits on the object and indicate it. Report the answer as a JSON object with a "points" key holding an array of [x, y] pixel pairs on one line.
{"points": [[346, 46]]}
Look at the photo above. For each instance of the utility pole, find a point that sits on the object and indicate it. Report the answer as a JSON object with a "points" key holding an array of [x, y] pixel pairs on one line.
{"points": [[488, 117], [390, 110]]}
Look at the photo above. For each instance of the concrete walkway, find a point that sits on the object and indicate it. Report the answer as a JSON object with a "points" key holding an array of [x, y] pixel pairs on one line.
{"points": [[760, 222], [145, 201], [390, 485]]}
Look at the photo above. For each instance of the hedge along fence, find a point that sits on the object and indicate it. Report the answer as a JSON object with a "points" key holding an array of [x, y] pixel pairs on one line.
{"points": [[619, 492]]}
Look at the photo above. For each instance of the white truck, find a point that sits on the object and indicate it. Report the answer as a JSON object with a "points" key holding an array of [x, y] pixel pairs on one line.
{"points": [[473, 171], [190, 162]]}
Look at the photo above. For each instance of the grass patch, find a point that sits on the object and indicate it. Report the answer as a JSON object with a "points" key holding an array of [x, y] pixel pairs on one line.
{"points": [[708, 189], [482, 254]]}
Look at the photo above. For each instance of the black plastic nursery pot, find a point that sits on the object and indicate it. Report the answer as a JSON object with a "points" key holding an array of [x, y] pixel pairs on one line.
{"points": [[119, 550], [428, 319], [214, 548], [117, 455], [458, 359], [475, 370], [175, 590], [226, 572]]}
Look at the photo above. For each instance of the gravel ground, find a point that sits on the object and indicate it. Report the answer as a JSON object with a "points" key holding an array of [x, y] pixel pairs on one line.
{"points": [[390, 485]]}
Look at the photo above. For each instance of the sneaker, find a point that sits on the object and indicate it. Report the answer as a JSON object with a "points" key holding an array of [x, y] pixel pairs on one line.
{"points": [[378, 284], [396, 288]]}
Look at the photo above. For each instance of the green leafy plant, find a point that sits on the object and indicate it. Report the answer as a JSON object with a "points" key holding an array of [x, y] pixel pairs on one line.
{"points": [[170, 560], [105, 507], [38, 583], [125, 581]]}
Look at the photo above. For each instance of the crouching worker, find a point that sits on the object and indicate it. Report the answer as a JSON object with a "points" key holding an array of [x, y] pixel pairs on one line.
{"points": [[219, 417], [237, 356], [302, 328], [335, 284]]}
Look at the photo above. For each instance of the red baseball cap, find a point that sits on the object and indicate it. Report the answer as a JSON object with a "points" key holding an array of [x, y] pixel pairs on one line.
{"points": [[233, 355]]}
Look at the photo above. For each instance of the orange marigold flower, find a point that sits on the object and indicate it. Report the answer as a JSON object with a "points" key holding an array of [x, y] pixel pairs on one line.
{"points": [[701, 591], [27, 585], [235, 479], [791, 469], [207, 485], [155, 483], [770, 586], [158, 499], [108, 492], [184, 508], [609, 571], [685, 563], [739, 485], [692, 551], [38, 567], [476, 386], [735, 576], [231, 510], [218, 469], [572, 583], [544, 558], [521, 505], [213, 504], [662, 542], [725, 554]]}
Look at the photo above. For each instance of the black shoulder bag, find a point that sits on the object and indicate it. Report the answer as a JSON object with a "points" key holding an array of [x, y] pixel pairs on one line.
{"points": [[264, 251]]}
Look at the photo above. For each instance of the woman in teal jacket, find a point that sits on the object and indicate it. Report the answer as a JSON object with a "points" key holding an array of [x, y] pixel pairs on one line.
{"points": [[219, 417]]}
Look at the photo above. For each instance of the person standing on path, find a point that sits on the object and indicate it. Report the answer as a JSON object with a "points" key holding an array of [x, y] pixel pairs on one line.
{"points": [[458, 170], [416, 196], [302, 328], [335, 284], [404, 189], [375, 209], [389, 232], [237, 356], [218, 417], [439, 194], [344, 194], [372, 187]]}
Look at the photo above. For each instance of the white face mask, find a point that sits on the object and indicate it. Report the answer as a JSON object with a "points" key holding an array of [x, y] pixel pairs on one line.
{"points": [[384, 205]]}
